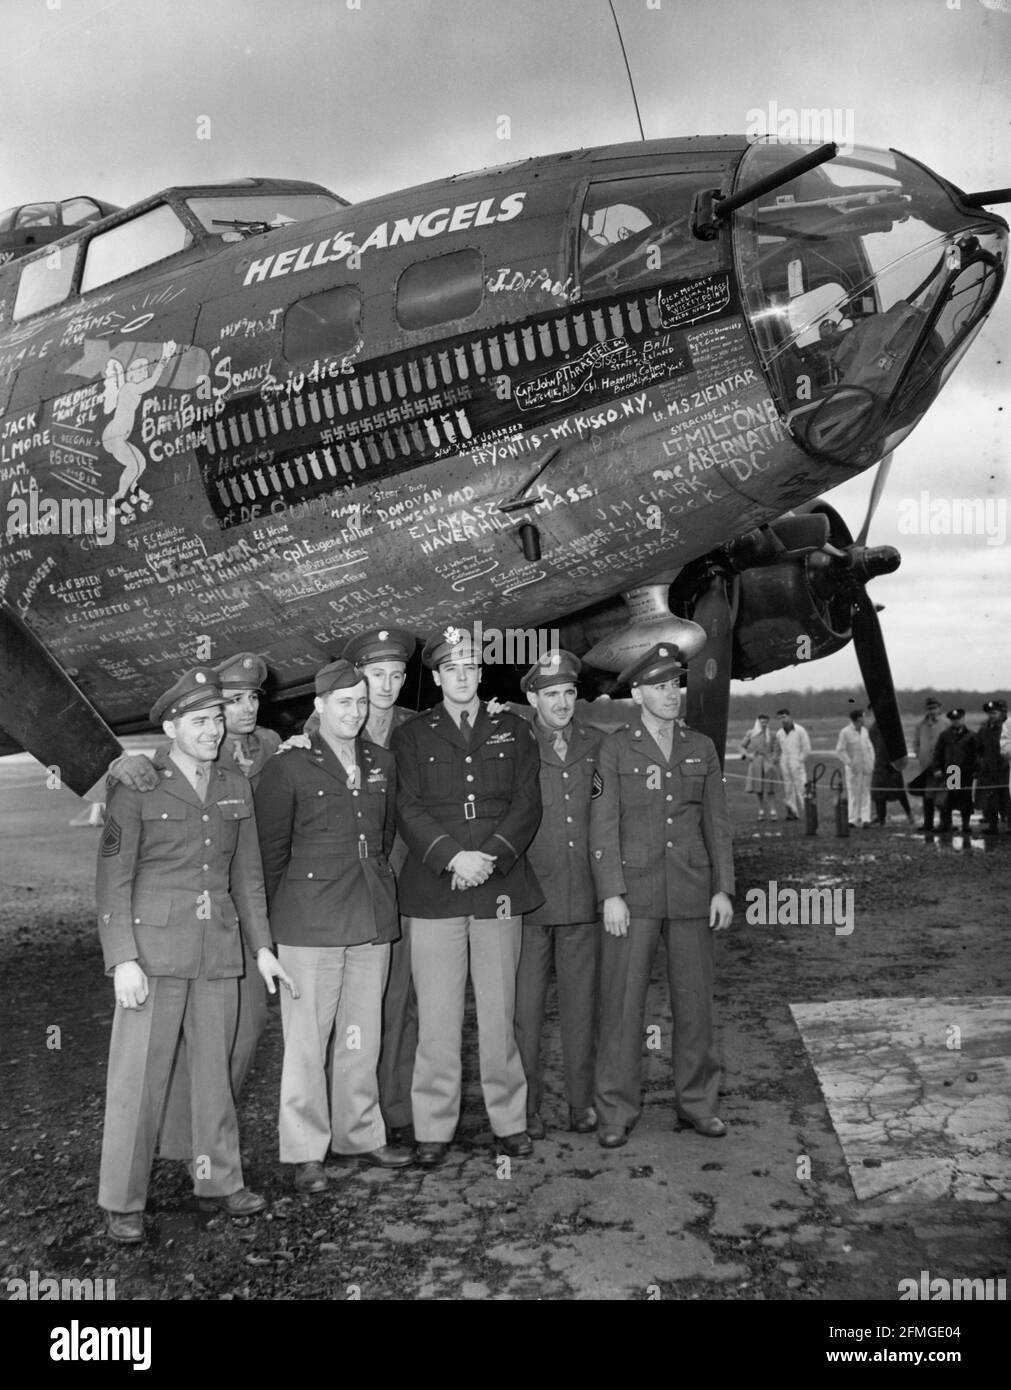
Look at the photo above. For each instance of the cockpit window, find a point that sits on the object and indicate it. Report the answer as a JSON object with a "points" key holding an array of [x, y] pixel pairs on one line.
{"points": [[45, 281], [864, 283], [77, 211], [635, 231], [131, 246], [233, 216], [38, 215]]}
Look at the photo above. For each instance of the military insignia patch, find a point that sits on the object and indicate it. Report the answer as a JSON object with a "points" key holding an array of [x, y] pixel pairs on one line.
{"points": [[112, 839], [598, 854], [596, 789]]}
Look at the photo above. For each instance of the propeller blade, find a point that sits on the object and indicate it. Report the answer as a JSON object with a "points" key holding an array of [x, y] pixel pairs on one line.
{"points": [[880, 478], [869, 645], [709, 672]]}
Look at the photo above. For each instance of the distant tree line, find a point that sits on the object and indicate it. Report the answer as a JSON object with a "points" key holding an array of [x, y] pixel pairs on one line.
{"points": [[837, 702]]}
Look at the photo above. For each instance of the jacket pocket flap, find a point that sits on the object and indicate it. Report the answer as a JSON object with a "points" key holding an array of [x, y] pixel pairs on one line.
{"points": [[154, 912]]}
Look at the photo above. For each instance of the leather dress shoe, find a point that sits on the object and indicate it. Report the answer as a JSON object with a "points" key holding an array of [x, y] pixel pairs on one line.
{"points": [[430, 1153], [709, 1128], [582, 1121], [612, 1136], [310, 1177], [127, 1227], [241, 1203], [515, 1145], [536, 1127], [389, 1156]]}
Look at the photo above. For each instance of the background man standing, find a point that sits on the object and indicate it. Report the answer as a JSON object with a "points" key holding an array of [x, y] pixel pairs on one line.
{"points": [[382, 655], [857, 752], [245, 748], [794, 746], [326, 825], [663, 864], [927, 731], [991, 768], [954, 765], [175, 866], [565, 930], [468, 805]]}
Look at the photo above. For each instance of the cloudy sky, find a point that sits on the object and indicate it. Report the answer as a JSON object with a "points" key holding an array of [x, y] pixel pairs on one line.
{"points": [[112, 97]]}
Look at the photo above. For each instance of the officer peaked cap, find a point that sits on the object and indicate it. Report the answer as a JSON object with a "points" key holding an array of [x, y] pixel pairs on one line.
{"points": [[555, 667], [380, 644], [197, 689], [661, 663], [992, 706], [338, 675], [244, 671], [450, 643], [955, 714], [931, 703]]}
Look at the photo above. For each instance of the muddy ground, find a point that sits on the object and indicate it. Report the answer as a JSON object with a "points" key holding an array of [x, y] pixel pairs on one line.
{"points": [[671, 1216]]}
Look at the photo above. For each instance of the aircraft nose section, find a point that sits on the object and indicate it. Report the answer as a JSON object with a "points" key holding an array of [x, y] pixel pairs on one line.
{"points": [[864, 281]]}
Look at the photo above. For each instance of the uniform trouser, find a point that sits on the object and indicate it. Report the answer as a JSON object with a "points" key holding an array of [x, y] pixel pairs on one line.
{"points": [[142, 1050], [340, 997], [960, 801], [573, 948], [858, 794], [176, 1140], [400, 1035], [794, 776], [625, 966], [439, 958]]}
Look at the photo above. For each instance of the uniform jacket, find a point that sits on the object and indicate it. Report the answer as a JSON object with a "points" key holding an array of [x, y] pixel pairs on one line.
{"points": [[560, 852], [452, 796], [955, 748], [177, 877], [325, 846], [248, 753], [398, 854], [926, 736], [659, 831], [762, 752]]}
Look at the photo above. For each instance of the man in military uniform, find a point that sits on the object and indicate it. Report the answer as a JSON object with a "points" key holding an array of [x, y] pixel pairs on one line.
{"points": [[663, 865], [954, 765], [326, 823], [245, 748], [991, 767], [175, 866], [468, 805], [381, 655], [565, 930]]}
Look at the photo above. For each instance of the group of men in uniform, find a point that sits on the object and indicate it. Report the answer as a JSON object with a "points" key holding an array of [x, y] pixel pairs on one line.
{"points": [[953, 757], [385, 857]]}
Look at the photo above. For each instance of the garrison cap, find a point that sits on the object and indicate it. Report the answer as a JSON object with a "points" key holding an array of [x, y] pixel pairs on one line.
{"points": [[380, 644], [450, 643], [244, 671], [661, 663], [992, 706], [338, 675], [195, 690], [555, 667], [955, 714]]}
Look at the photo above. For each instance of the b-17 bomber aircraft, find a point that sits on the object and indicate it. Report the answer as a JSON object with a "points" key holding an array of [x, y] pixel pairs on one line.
{"points": [[597, 393]]}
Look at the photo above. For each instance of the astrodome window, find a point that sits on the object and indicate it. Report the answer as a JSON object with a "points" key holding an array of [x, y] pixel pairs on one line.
{"points": [[441, 290]]}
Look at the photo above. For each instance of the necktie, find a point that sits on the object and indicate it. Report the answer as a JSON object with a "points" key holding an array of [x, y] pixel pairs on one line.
{"points": [[239, 754], [465, 727], [201, 783], [664, 741], [560, 744]]}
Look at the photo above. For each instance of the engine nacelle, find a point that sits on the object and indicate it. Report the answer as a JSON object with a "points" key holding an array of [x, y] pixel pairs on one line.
{"points": [[782, 620]]}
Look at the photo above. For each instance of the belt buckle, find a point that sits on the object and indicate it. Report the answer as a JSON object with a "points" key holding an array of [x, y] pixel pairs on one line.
{"points": [[469, 810], [363, 849]]}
